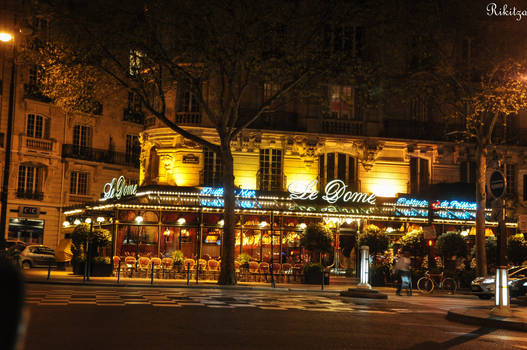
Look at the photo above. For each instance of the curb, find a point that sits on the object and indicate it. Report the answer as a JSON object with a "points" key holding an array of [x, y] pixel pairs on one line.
{"points": [[363, 293], [190, 286], [490, 321]]}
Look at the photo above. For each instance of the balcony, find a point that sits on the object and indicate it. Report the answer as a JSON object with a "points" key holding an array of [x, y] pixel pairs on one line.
{"points": [[30, 195], [188, 118], [100, 155], [341, 126], [137, 117], [412, 129], [38, 144]]}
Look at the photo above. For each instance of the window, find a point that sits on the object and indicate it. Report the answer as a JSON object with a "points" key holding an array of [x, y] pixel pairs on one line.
{"points": [[133, 149], [37, 126], [79, 183], [29, 182], [419, 174], [340, 166], [270, 173], [342, 102], [35, 74], [212, 169], [467, 172], [419, 109], [187, 99], [134, 102], [345, 38], [82, 138], [269, 90], [510, 174]]}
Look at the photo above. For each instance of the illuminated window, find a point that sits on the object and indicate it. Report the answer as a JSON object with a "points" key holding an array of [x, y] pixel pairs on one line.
{"points": [[342, 102], [419, 174], [212, 169], [136, 62], [337, 166], [37, 126], [269, 90], [79, 183], [270, 173]]}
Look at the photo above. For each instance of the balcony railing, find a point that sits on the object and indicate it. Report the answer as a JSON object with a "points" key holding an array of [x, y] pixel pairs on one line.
{"points": [[270, 182], [134, 116], [100, 155], [39, 144], [30, 195], [341, 126], [412, 129], [188, 118]]}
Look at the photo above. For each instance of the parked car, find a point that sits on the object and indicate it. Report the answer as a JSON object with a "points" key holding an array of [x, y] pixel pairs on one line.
{"points": [[15, 244], [484, 287], [37, 255]]}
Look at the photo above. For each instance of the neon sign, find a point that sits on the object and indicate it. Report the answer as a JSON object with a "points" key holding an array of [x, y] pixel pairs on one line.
{"points": [[118, 188], [455, 205], [218, 203], [334, 191], [218, 191], [412, 202]]}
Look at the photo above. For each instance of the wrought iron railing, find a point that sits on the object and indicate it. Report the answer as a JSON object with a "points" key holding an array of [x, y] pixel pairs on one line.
{"points": [[100, 155]]}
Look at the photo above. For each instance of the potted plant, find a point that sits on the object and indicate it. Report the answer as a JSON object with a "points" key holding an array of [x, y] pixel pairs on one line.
{"points": [[98, 238], [244, 259], [101, 266], [450, 246], [178, 258], [378, 242], [318, 239]]}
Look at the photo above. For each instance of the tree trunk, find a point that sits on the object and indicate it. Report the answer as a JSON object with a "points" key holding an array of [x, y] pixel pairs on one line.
{"points": [[481, 198], [227, 273]]}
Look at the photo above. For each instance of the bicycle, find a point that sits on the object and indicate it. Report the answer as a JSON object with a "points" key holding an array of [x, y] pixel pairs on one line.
{"points": [[427, 283]]}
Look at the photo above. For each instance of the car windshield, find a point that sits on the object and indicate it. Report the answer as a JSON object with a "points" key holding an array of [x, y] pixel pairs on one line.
{"points": [[46, 251], [519, 272]]}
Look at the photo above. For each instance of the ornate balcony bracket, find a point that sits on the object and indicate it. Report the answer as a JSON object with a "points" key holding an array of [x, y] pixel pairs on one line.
{"points": [[367, 152]]}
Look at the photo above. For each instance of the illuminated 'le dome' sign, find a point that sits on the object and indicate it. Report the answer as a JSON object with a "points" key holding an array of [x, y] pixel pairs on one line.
{"points": [[118, 188], [335, 190]]}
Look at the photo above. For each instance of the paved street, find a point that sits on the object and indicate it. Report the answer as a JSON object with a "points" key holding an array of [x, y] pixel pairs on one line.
{"points": [[64, 317]]}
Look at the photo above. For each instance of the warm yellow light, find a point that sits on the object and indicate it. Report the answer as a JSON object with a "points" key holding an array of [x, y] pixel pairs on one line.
{"points": [[386, 188], [88, 221], [66, 224], [100, 219], [77, 222], [302, 226], [5, 37], [139, 219]]}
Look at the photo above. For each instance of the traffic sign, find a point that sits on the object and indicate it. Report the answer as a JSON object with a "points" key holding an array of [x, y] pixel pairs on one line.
{"points": [[496, 184]]}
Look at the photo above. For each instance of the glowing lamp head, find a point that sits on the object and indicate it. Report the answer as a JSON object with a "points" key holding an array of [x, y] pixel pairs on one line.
{"points": [[5, 37], [66, 224], [221, 222], [77, 222], [430, 243], [100, 219], [181, 221], [166, 233], [302, 226], [263, 223], [88, 221], [139, 219]]}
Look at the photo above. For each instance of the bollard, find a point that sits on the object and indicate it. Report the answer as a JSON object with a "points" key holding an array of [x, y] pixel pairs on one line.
{"points": [[188, 274], [152, 275], [364, 267], [49, 269], [323, 277], [119, 272], [197, 272]]}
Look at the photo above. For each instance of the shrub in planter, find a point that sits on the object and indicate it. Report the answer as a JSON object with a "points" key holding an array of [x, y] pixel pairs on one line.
{"points": [[244, 259], [313, 273], [449, 245], [317, 238], [517, 249], [414, 242], [178, 258], [374, 238]]}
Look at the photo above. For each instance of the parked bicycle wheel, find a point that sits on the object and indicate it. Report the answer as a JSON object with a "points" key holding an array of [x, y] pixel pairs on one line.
{"points": [[450, 284], [425, 284]]}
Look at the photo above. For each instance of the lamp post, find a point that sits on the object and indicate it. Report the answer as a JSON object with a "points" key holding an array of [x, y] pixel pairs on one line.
{"points": [[6, 37]]}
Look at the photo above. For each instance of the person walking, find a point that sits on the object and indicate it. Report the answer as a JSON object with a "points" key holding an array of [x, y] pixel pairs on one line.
{"points": [[402, 268]]}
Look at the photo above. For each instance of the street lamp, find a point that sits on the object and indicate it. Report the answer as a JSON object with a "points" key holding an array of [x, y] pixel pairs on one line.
{"points": [[7, 37]]}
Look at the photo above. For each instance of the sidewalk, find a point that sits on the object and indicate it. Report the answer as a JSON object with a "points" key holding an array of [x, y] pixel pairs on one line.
{"points": [[482, 316], [39, 276]]}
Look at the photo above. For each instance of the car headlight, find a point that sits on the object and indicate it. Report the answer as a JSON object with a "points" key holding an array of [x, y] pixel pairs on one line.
{"points": [[525, 284], [489, 280]]}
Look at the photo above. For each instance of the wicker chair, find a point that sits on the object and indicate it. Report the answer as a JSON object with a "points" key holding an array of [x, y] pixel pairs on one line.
{"points": [[156, 263], [253, 269], [167, 265], [130, 265], [213, 268], [263, 269], [143, 264]]}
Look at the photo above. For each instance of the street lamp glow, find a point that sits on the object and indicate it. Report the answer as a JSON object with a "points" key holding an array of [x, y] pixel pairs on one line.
{"points": [[100, 219], [88, 220], [66, 224], [5, 37], [77, 222], [139, 219]]}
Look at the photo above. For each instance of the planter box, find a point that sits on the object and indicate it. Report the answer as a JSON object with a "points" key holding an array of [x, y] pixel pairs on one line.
{"points": [[78, 268], [316, 278], [101, 270]]}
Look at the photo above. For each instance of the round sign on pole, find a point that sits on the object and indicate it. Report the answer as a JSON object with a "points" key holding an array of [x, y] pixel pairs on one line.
{"points": [[496, 184]]}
